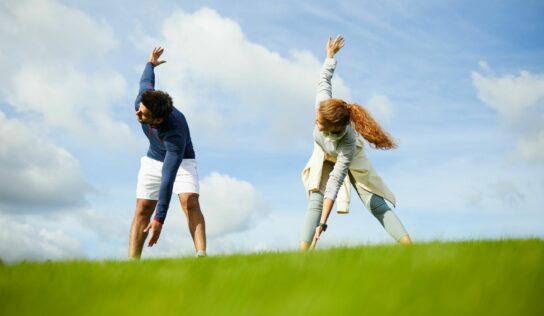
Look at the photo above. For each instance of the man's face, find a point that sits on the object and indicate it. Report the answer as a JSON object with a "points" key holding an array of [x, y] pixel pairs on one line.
{"points": [[143, 115]]}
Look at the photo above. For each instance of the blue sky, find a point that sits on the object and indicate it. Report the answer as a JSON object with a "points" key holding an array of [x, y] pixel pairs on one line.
{"points": [[459, 85]]}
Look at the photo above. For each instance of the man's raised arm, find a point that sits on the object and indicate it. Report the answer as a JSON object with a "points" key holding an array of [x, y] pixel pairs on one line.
{"points": [[147, 81]]}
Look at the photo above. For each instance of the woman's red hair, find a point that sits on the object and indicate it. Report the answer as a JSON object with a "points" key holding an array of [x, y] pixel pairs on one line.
{"points": [[337, 112]]}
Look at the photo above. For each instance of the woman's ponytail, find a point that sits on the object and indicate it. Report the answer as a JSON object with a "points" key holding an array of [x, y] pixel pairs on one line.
{"points": [[370, 129]]}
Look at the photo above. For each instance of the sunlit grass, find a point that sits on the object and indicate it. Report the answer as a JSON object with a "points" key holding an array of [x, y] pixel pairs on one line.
{"points": [[463, 278]]}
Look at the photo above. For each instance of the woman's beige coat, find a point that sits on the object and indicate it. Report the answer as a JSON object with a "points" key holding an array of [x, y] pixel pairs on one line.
{"points": [[361, 170]]}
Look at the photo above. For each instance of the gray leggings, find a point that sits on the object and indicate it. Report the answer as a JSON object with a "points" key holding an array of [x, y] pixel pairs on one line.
{"points": [[376, 205]]}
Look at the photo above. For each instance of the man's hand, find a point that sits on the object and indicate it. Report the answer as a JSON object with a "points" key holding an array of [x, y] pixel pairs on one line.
{"points": [[334, 46], [155, 228], [154, 57]]}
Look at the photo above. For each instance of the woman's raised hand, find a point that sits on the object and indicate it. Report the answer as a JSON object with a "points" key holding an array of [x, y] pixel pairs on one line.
{"points": [[334, 46]]}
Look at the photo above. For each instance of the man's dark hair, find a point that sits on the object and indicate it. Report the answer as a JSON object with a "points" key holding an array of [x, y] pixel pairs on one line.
{"points": [[159, 103]]}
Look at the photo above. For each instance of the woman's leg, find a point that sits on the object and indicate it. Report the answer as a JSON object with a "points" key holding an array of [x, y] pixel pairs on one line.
{"points": [[383, 213], [388, 219], [315, 207], [313, 215]]}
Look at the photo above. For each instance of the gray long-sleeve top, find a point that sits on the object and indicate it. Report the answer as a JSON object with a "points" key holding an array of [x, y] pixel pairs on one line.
{"points": [[341, 146]]}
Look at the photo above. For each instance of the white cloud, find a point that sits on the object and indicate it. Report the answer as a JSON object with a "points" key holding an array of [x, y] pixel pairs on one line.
{"points": [[21, 241], [507, 192], [228, 84], [484, 65], [380, 106], [35, 172], [108, 225], [532, 147], [45, 31], [229, 205], [52, 57], [502, 193], [519, 100], [79, 103], [510, 95]]}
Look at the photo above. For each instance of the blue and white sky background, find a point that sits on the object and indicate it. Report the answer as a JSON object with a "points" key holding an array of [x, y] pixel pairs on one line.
{"points": [[459, 84]]}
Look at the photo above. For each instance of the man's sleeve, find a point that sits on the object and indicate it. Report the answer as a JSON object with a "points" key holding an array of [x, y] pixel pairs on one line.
{"points": [[175, 147], [147, 82]]}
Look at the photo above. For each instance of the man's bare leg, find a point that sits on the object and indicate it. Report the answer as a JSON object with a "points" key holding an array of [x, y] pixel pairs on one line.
{"points": [[191, 207], [142, 216]]}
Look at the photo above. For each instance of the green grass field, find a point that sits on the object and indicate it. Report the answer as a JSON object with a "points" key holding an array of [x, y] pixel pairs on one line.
{"points": [[458, 278]]}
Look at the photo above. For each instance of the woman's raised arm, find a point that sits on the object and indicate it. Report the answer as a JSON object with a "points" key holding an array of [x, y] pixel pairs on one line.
{"points": [[324, 87]]}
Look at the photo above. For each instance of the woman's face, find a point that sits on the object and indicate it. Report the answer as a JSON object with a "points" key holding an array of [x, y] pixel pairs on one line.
{"points": [[323, 127]]}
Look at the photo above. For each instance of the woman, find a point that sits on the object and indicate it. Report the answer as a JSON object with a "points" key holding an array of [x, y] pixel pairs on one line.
{"points": [[338, 159]]}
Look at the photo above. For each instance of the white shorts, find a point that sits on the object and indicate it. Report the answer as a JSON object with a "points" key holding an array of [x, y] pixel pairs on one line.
{"points": [[150, 174]]}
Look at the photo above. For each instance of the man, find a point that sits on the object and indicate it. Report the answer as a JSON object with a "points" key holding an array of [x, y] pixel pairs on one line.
{"points": [[169, 166]]}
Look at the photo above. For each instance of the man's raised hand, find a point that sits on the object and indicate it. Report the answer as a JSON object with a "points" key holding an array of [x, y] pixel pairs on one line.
{"points": [[155, 55]]}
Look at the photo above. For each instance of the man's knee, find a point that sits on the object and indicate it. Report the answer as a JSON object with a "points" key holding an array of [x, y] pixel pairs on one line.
{"points": [[190, 203], [145, 208], [378, 206]]}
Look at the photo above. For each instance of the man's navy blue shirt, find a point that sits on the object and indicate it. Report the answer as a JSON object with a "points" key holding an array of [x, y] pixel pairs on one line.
{"points": [[169, 142]]}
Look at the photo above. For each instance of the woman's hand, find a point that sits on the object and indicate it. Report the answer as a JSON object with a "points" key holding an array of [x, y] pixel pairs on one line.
{"points": [[318, 231], [334, 46]]}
